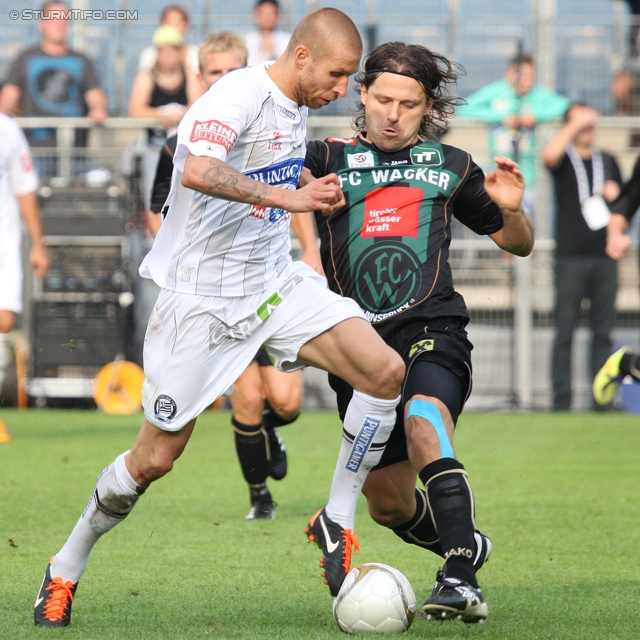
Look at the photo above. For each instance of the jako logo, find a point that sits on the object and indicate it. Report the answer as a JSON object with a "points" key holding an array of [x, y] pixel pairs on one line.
{"points": [[214, 131], [362, 443], [460, 551]]}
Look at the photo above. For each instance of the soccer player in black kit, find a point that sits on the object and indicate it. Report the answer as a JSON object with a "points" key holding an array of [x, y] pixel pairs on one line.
{"points": [[388, 250]]}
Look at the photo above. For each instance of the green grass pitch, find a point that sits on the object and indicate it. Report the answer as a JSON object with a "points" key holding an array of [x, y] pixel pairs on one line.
{"points": [[558, 494]]}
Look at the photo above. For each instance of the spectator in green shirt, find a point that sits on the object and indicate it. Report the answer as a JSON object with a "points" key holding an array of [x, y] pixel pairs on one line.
{"points": [[513, 107]]}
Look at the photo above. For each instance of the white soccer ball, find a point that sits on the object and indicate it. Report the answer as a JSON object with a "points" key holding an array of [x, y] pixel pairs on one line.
{"points": [[374, 598]]}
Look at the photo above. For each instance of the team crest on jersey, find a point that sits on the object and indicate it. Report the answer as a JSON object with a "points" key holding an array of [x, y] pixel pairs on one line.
{"points": [[364, 159], [349, 141], [427, 156], [165, 409], [391, 211], [215, 132], [387, 278]]}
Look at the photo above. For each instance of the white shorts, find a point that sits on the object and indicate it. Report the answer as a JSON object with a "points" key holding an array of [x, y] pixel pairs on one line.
{"points": [[10, 276], [196, 347]]}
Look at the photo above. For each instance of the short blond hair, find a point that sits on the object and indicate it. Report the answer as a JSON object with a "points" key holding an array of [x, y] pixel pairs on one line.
{"points": [[221, 42]]}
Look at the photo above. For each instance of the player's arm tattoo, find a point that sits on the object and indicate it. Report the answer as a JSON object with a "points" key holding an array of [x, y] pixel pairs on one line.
{"points": [[220, 180]]}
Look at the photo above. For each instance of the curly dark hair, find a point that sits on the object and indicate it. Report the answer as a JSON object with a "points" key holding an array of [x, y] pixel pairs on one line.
{"points": [[435, 73]]}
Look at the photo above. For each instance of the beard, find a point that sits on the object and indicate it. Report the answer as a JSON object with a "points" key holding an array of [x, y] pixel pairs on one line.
{"points": [[306, 90]]}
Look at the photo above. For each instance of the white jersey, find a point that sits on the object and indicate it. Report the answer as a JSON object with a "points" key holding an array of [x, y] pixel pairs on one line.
{"points": [[213, 247], [17, 178]]}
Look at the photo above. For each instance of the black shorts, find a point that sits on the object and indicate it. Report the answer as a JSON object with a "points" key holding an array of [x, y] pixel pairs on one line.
{"points": [[438, 361], [262, 358]]}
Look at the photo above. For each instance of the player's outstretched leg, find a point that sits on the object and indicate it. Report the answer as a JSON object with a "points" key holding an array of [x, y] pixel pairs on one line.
{"points": [[622, 362], [353, 351], [113, 498], [367, 425]]}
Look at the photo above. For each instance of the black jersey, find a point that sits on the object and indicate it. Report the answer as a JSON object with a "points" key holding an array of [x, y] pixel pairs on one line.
{"points": [[388, 248], [164, 170]]}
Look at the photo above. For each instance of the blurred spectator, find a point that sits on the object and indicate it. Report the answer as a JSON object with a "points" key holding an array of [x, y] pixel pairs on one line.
{"points": [[167, 89], [175, 16], [51, 79], [585, 180], [513, 107], [218, 54], [624, 208], [18, 184], [265, 43], [625, 86]]}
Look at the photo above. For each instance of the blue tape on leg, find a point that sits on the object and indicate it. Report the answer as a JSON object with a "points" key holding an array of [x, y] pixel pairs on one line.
{"points": [[429, 411]]}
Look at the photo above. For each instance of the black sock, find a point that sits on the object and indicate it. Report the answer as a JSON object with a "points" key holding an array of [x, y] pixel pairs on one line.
{"points": [[420, 530], [251, 447], [259, 492], [451, 503], [629, 365], [271, 420]]}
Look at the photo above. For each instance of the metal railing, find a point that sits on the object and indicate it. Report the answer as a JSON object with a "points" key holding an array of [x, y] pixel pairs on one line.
{"points": [[510, 299]]}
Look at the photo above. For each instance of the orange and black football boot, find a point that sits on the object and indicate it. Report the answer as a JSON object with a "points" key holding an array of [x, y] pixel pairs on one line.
{"points": [[336, 544], [53, 604]]}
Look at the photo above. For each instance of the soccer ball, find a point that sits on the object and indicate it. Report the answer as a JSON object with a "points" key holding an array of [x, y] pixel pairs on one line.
{"points": [[374, 598]]}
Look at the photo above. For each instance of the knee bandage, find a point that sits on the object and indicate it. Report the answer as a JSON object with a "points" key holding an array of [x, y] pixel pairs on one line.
{"points": [[429, 411]]}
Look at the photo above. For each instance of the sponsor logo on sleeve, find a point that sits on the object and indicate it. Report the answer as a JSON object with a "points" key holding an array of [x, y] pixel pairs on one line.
{"points": [[427, 156], [349, 141], [362, 443], [392, 211], [27, 163], [165, 409], [215, 132], [364, 159]]}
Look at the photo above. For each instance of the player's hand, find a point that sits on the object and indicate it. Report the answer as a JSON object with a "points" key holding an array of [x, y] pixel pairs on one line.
{"points": [[505, 185], [617, 245], [323, 194], [39, 260]]}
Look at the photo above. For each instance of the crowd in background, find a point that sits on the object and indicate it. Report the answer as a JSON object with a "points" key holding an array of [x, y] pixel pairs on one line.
{"points": [[52, 79]]}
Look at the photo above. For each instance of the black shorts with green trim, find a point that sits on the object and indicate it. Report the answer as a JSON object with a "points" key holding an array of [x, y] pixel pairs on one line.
{"points": [[437, 356]]}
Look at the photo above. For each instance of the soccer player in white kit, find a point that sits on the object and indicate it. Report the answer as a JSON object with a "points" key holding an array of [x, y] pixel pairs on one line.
{"points": [[229, 286], [18, 185]]}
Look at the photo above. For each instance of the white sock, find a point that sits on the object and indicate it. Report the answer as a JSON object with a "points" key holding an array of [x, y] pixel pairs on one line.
{"points": [[4, 357], [367, 426], [117, 494]]}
